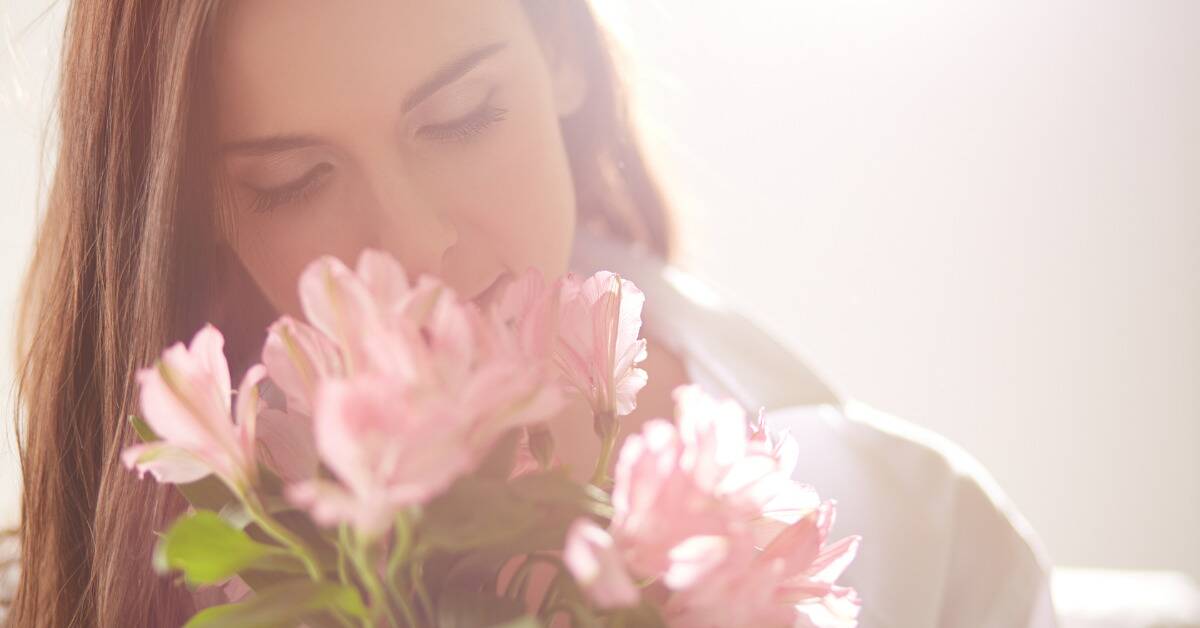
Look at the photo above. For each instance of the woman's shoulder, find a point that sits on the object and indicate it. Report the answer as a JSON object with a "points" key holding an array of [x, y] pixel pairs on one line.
{"points": [[943, 544]]}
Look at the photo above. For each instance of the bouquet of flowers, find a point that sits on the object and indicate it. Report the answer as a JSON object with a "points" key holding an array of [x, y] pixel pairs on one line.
{"points": [[399, 470]]}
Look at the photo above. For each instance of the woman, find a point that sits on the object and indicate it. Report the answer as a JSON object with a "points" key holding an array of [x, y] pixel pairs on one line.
{"points": [[209, 150]]}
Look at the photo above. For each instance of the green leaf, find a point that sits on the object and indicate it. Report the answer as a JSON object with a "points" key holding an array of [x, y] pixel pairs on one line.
{"points": [[208, 493], [471, 609], [301, 526], [526, 621], [470, 532], [475, 512], [284, 604], [555, 487], [480, 512], [502, 458], [143, 429], [208, 549], [643, 616]]}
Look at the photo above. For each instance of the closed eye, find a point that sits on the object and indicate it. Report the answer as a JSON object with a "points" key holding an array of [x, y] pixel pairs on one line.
{"points": [[299, 190], [466, 127]]}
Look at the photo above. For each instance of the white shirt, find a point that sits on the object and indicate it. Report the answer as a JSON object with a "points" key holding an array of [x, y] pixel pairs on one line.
{"points": [[942, 545]]}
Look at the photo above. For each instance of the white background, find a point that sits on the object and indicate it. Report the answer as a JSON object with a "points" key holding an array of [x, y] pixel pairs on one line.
{"points": [[984, 217]]}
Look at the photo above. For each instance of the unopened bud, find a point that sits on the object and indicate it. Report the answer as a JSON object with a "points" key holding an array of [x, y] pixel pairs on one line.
{"points": [[605, 424], [541, 444]]}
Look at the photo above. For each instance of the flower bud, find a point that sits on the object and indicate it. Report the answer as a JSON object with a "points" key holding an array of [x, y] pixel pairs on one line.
{"points": [[541, 444]]}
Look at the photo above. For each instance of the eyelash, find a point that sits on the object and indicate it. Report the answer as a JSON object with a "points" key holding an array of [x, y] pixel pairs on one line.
{"points": [[299, 190], [462, 130], [466, 127]]}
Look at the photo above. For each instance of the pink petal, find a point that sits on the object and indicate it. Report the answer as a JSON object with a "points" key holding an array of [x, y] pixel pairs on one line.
{"points": [[185, 400], [628, 387], [168, 465], [834, 559], [168, 415], [287, 445], [592, 559], [695, 558], [208, 348], [451, 332], [330, 504], [247, 408], [837, 609], [298, 356], [793, 502], [384, 278], [337, 303], [797, 546]]}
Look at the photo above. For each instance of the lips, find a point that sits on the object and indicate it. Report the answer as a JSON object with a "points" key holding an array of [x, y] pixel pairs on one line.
{"points": [[491, 293]]}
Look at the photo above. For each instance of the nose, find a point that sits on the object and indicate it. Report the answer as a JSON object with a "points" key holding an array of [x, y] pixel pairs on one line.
{"points": [[411, 226]]}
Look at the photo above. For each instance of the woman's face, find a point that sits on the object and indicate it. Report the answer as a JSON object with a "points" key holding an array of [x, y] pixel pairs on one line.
{"points": [[425, 128]]}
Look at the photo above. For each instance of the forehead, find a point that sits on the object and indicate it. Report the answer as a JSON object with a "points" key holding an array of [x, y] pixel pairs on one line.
{"points": [[283, 63]]}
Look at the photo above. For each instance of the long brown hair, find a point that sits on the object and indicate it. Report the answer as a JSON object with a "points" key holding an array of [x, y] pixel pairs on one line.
{"points": [[127, 261]]}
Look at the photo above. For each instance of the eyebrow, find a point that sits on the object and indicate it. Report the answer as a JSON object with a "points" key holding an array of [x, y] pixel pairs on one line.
{"points": [[449, 73], [446, 75]]}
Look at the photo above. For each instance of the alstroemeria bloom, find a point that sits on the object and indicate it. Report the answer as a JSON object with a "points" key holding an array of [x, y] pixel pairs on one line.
{"points": [[791, 582], [597, 566], [425, 386], [387, 449], [701, 476], [598, 348], [185, 399], [690, 500], [298, 358], [531, 307]]}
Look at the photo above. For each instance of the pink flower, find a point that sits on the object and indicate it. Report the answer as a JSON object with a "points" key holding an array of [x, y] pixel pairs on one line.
{"points": [[185, 399], [598, 348], [526, 461], [699, 477], [412, 387], [387, 449], [531, 307], [356, 310], [705, 508], [793, 500], [298, 358], [597, 566], [658, 504], [736, 593], [286, 445], [810, 569], [789, 583]]}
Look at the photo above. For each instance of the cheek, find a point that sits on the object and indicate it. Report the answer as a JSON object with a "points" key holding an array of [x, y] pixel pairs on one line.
{"points": [[276, 247], [516, 188]]}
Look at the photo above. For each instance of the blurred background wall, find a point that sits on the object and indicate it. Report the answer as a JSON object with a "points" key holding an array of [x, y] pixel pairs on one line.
{"points": [[982, 217], [30, 36]]}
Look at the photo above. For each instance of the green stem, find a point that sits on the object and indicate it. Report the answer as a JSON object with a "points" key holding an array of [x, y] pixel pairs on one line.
{"points": [[370, 580], [341, 618], [519, 579], [280, 533], [400, 549], [608, 441], [343, 576], [516, 583], [394, 588], [393, 576], [550, 598], [417, 575]]}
